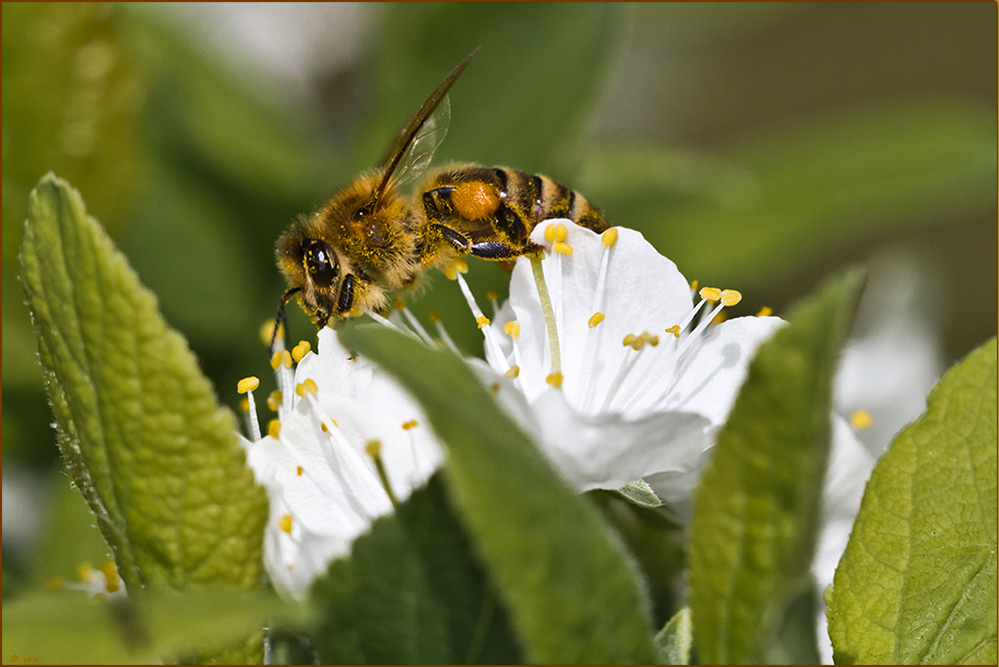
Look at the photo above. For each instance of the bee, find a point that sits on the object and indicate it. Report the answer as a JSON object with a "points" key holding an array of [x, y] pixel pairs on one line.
{"points": [[372, 239]]}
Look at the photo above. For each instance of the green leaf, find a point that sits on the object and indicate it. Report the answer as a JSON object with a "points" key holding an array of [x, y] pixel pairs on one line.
{"points": [[676, 640], [755, 510], [137, 423], [639, 492], [571, 590], [821, 183], [411, 593], [67, 627], [917, 583]]}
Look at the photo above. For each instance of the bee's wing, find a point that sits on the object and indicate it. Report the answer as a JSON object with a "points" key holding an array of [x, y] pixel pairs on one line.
{"points": [[417, 156], [409, 155]]}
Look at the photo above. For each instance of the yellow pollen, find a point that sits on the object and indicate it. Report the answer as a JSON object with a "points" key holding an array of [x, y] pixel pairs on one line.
{"points": [[247, 384], [561, 231], [693, 286], [710, 293], [408, 425], [399, 304], [285, 523], [609, 238], [434, 316], [306, 387], [675, 330], [244, 405], [373, 448], [274, 400], [300, 350], [113, 581], [562, 247], [629, 340], [555, 380], [299, 471], [84, 571], [512, 328], [482, 321], [650, 339], [267, 330], [730, 297], [550, 233], [595, 319], [513, 372], [861, 420], [492, 295], [274, 428], [765, 311]]}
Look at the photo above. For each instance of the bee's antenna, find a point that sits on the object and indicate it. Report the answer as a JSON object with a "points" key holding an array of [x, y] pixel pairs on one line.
{"points": [[280, 319]]}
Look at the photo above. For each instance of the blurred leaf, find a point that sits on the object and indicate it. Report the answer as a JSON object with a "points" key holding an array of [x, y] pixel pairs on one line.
{"points": [[138, 425], [640, 493], [522, 97], [676, 640], [71, 102], [782, 199], [756, 507], [412, 593], [917, 583], [68, 627], [570, 588]]}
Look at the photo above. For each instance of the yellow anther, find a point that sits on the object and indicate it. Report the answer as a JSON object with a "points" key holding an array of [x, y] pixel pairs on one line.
{"points": [[609, 238], [285, 523], [719, 318], [629, 340], [550, 233], [730, 297], [555, 380], [111, 578], [650, 338], [408, 425], [482, 321], [281, 358], [434, 316], [675, 330], [55, 582], [247, 384], [373, 448], [492, 295], [513, 372], [299, 470], [512, 328], [562, 248], [274, 400], [399, 304], [861, 420], [693, 286], [710, 293], [765, 311], [326, 430], [274, 428], [244, 405], [494, 389], [306, 387], [267, 331], [561, 232], [84, 571], [300, 350], [450, 273], [595, 319]]}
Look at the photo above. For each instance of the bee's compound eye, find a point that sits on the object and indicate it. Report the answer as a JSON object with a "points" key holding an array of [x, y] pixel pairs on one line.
{"points": [[321, 264]]}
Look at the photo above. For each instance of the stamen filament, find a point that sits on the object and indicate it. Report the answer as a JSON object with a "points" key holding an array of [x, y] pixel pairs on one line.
{"points": [[442, 332], [487, 331], [546, 308]]}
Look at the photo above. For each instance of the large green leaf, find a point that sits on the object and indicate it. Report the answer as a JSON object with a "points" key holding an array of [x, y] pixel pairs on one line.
{"points": [[412, 593], [68, 627], [917, 583], [755, 516], [137, 423], [571, 591]]}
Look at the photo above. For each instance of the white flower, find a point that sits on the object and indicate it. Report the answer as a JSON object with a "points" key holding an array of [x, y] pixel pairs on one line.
{"points": [[644, 378], [321, 471]]}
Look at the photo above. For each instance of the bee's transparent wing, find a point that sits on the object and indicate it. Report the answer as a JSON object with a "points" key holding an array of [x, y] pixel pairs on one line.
{"points": [[417, 157]]}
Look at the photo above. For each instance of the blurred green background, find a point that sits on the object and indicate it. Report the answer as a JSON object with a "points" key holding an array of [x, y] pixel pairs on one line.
{"points": [[759, 146]]}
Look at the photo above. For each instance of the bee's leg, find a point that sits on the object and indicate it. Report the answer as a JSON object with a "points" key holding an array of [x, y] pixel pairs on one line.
{"points": [[280, 318], [346, 298], [499, 251], [456, 239]]}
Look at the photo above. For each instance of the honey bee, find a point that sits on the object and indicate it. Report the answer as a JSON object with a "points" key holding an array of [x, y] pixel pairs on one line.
{"points": [[371, 239]]}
